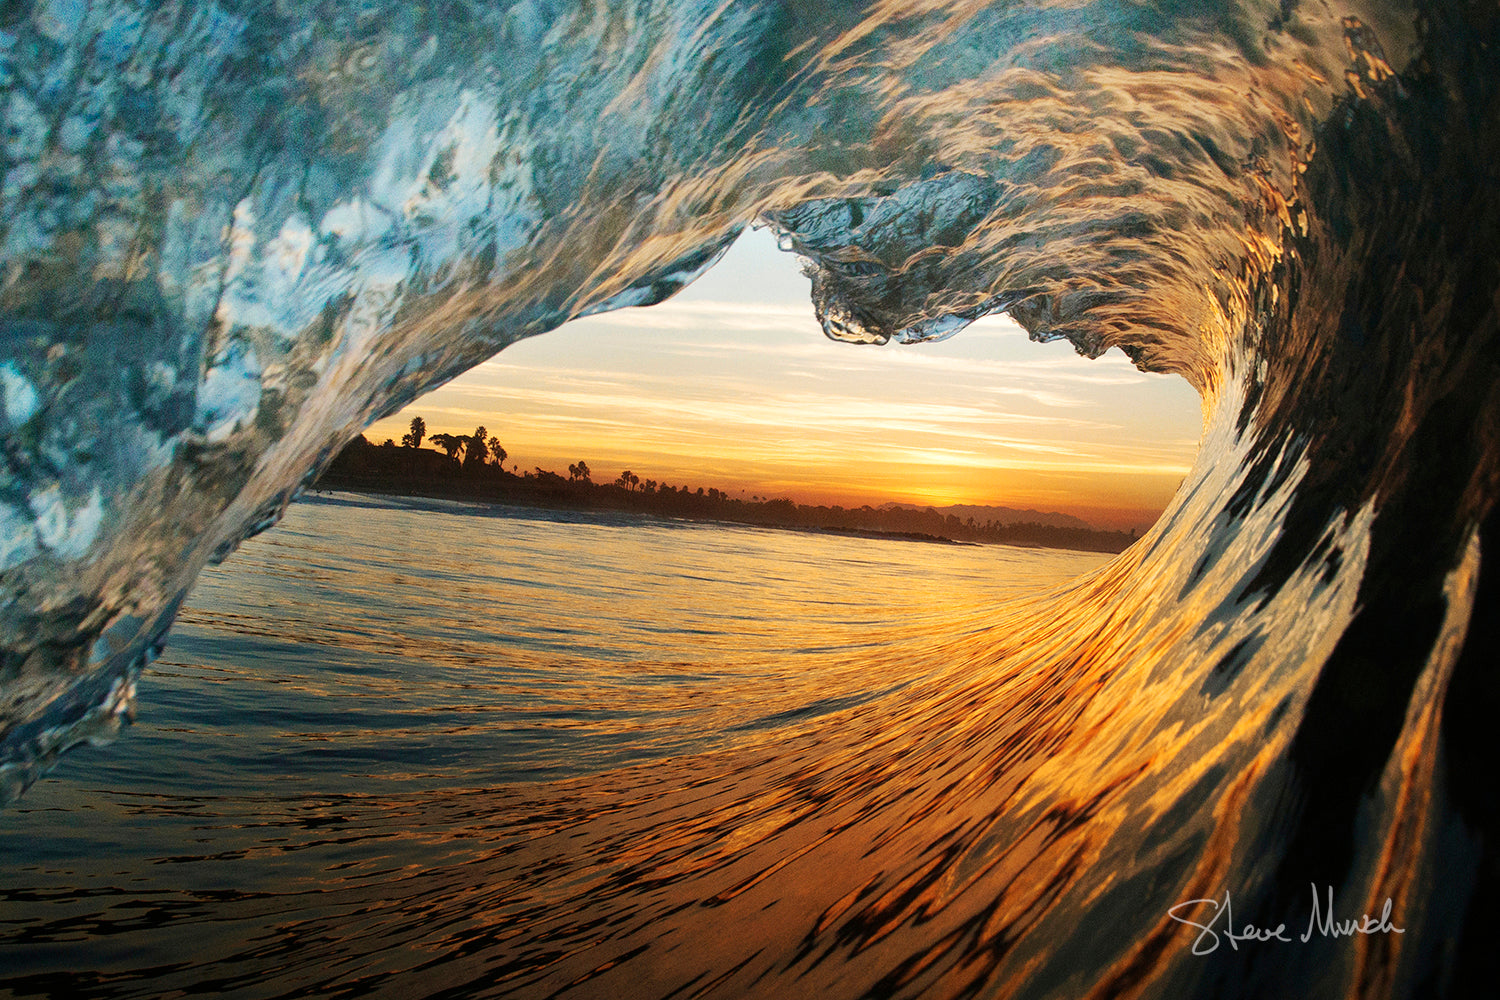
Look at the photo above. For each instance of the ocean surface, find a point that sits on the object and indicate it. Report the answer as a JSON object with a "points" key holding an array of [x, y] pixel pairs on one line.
{"points": [[349, 709]]}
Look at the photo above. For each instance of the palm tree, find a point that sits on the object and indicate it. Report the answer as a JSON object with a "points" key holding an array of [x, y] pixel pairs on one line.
{"points": [[497, 452], [418, 432], [476, 447]]}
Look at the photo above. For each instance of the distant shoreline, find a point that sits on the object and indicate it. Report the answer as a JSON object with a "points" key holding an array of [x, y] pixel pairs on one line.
{"points": [[328, 486], [422, 473]]}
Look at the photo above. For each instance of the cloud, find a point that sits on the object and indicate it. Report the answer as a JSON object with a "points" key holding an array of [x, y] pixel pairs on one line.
{"points": [[711, 384], [699, 315]]}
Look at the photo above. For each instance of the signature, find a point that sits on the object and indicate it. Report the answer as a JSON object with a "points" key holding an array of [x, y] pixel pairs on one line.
{"points": [[1320, 921]]}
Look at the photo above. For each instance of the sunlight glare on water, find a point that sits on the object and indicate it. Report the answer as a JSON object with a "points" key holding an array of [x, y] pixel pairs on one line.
{"points": [[539, 641]]}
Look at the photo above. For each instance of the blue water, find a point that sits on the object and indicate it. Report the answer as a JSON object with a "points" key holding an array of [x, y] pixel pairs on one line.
{"points": [[350, 707]]}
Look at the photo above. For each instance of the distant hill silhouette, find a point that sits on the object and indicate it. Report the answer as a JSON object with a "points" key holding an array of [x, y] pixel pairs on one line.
{"points": [[999, 515]]}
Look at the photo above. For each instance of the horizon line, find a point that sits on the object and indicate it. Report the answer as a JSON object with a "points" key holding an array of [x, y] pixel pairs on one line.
{"points": [[1137, 518]]}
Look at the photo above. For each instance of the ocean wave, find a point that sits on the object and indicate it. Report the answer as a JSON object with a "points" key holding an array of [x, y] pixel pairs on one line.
{"points": [[235, 233]]}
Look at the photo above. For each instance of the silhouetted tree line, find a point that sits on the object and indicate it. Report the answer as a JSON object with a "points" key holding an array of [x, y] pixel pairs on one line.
{"points": [[473, 466]]}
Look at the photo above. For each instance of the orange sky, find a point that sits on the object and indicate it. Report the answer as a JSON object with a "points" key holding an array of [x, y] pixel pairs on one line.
{"points": [[731, 384]]}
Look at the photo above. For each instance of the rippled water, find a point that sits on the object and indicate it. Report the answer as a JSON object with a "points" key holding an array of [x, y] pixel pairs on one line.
{"points": [[354, 709]]}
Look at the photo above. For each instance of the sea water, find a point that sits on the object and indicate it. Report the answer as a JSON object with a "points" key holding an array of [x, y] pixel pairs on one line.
{"points": [[352, 709]]}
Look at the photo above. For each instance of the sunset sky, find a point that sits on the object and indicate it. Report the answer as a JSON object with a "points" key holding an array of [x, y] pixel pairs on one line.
{"points": [[732, 384]]}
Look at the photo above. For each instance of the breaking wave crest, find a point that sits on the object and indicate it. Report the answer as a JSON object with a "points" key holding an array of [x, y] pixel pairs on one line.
{"points": [[235, 233]]}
